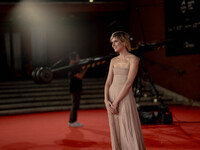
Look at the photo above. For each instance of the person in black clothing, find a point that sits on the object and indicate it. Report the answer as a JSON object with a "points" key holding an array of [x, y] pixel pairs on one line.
{"points": [[75, 88]]}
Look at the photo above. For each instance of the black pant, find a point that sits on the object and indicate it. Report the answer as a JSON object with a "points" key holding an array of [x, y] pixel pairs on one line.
{"points": [[75, 106]]}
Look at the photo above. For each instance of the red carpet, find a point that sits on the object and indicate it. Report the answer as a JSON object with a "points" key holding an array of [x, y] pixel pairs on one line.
{"points": [[49, 131]]}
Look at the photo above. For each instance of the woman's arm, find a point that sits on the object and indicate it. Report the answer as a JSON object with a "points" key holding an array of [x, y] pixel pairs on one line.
{"points": [[107, 85], [134, 63]]}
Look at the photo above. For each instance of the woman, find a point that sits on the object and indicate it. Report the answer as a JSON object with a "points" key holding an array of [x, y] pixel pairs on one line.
{"points": [[125, 127]]}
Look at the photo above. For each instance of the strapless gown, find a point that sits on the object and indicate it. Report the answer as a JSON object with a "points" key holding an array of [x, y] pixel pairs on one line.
{"points": [[125, 127]]}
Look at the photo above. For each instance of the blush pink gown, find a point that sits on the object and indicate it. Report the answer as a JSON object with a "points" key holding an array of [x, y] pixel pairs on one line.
{"points": [[125, 127]]}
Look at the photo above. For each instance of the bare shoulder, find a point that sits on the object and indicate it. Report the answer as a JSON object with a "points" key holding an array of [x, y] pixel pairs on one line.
{"points": [[132, 57], [112, 62], [114, 59]]}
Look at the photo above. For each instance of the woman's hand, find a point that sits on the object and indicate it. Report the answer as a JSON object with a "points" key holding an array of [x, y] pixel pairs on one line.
{"points": [[110, 107], [114, 108], [108, 104]]}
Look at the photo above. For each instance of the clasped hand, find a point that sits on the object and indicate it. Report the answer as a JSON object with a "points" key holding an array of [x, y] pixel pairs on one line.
{"points": [[112, 107]]}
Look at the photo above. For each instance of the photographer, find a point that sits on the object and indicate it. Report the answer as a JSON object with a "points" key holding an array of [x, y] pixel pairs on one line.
{"points": [[75, 88]]}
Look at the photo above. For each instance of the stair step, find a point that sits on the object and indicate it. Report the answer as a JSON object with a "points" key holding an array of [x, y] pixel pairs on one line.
{"points": [[54, 82], [46, 93], [48, 109], [19, 97], [47, 103], [49, 98]]}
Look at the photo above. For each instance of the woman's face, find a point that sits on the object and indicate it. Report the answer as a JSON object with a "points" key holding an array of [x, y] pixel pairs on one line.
{"points": [[117, 44]]}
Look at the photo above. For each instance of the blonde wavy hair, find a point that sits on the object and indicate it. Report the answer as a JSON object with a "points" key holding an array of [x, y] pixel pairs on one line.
{"points": [[122, 36]]}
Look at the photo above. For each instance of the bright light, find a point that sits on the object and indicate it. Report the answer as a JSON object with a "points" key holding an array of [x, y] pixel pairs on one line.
{"points": [[91, 1], [48, 30]]}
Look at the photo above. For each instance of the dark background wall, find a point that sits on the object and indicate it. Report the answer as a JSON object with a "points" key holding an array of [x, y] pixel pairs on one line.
{"points": [[181, 73], [59, 28]]}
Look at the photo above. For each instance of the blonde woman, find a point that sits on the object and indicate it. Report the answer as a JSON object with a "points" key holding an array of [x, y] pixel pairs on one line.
{"points": [[125, 127]]}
